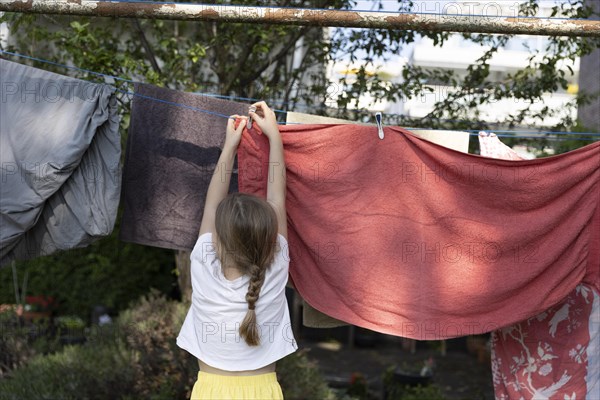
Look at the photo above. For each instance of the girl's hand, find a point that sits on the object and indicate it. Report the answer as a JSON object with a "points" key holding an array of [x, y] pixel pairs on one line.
{"points": [[233, 135], [265, 119]]}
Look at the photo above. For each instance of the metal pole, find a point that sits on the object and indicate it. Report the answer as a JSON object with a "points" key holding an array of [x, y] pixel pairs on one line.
{"points": [[309, 17]]}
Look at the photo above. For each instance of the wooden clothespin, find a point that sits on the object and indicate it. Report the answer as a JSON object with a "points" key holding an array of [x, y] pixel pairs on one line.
{"points": [[378, 119]]}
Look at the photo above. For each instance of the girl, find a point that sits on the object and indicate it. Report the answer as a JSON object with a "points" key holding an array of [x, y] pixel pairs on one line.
{"points": [[238, 325]]}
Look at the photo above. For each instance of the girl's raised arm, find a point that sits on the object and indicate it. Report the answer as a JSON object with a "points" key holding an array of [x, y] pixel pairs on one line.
{"points": [[266, 120], [219, 183]]}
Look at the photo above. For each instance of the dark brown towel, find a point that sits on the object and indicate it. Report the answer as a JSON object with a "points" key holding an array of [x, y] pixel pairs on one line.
{"points": [[170, 157]]}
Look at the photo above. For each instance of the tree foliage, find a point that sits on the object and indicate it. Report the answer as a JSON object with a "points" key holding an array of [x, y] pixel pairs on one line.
{"points": [[253, 60]]}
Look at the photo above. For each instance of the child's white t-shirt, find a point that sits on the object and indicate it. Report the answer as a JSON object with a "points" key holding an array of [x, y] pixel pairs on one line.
{"points": [[211, 328]]}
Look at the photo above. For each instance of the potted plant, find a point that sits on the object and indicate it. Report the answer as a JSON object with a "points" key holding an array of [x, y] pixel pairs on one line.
{"points": [[71, 329], [397, 380], [37, 307]]}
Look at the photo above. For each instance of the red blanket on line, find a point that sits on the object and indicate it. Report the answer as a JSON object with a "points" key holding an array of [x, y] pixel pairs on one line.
{"points": [[406, 237]]}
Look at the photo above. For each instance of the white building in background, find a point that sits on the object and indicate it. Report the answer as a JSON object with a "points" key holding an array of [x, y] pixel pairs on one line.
{"points": [[457, 54], [3, 32]]}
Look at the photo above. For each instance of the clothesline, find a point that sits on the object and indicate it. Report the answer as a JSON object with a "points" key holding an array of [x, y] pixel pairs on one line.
{"points": [[276, 110], [254, 99], [400, 115], [472, 132]]}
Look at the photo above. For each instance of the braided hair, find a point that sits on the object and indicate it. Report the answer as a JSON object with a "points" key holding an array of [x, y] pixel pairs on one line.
{"points": [[246, 230]]}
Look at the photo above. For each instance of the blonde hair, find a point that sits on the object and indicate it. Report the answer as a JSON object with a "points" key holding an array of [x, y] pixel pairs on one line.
{"points": [[246, 230]]}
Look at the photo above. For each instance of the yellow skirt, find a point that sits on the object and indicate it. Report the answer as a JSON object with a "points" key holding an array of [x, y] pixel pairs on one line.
{"points": [[221, 387]]}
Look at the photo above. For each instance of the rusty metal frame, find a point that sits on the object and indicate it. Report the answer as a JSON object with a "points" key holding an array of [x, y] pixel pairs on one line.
{"points": [[310, 17]]}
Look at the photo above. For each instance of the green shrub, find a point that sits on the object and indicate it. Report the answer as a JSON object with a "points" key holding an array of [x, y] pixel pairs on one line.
{"points": [[76, 373], [397, 391], [19, 342], [422, 393], [150, 327], [135, 358], [300, 378], [138, 358], [359, 387]]}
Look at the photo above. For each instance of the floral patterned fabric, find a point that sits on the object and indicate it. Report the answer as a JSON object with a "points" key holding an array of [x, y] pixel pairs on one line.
{"points": [[556, 354], [490, 146], [553, 355]]}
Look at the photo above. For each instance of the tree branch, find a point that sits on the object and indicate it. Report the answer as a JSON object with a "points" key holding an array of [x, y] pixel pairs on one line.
{"points": [[282, 53], [242, 61], [149, 53]]}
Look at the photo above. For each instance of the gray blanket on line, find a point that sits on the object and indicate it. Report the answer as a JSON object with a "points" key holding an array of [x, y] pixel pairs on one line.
{"points": [[59, 152], [169, 160]]}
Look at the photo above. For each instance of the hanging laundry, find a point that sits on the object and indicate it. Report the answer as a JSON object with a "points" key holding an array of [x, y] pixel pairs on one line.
{"points": [[490, 146], [555, 353], [406, 237], [292, 117], [312, 317], [59, 152], [456, 140], [170, 157]]}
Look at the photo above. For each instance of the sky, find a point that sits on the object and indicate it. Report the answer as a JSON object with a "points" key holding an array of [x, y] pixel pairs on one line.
{"points": [[448, 6]]}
